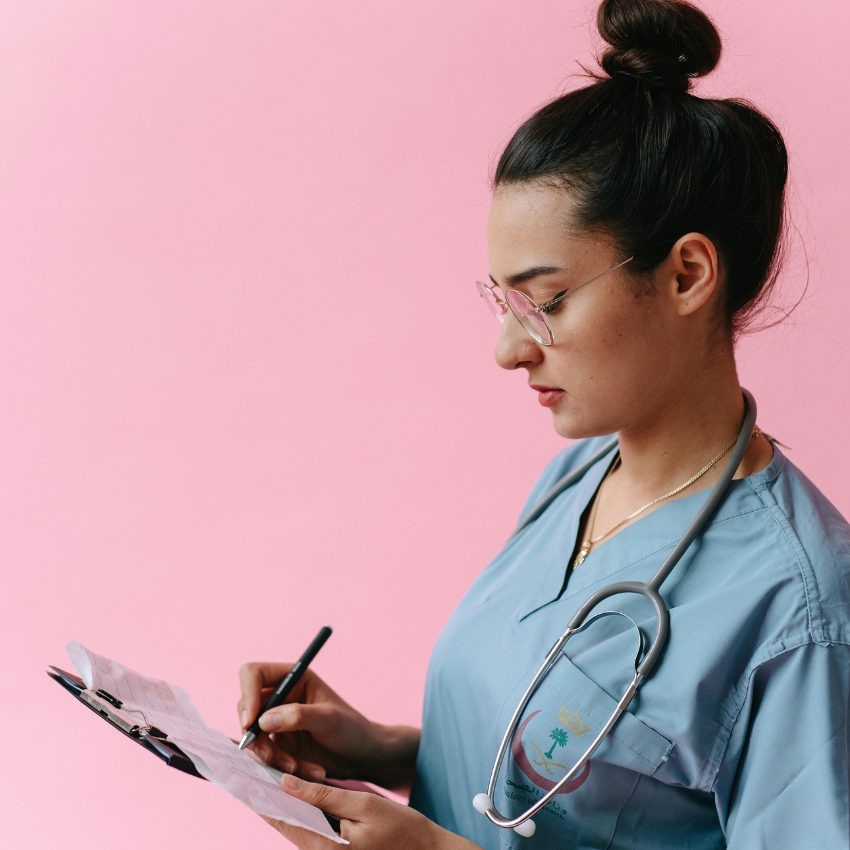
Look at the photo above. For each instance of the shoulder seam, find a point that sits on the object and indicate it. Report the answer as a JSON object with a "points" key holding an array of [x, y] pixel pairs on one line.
{"points": [[807, 573], [732, 713], [735, 702]]}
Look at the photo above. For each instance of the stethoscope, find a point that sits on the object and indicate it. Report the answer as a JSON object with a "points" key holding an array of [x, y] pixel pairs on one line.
{"points": [[650, 590]]}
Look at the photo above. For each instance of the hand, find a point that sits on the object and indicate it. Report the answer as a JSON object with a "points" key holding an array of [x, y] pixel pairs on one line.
{"points": [[367, 821], [316, 733]]}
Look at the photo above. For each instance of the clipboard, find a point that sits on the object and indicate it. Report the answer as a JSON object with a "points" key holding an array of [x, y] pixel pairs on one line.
{"points": [[155, 741], [129, 723]]}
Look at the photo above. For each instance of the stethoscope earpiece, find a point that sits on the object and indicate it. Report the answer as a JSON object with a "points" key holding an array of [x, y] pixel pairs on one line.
{"points": [[525, 829], [483, 804]]}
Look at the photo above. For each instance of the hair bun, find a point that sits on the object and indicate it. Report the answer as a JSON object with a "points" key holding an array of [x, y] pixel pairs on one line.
{"points": [[665, 42]]}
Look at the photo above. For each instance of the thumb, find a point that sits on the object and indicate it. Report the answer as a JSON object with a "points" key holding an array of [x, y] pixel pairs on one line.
{"points": [[343, 804], [296, 717]]}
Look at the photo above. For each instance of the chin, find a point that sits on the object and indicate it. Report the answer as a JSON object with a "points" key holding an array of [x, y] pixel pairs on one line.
{"points": [[573, 427]]}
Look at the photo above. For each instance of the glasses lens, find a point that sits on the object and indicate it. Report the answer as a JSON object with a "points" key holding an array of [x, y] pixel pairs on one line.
{"points": [[528, 316], [490, 300]]}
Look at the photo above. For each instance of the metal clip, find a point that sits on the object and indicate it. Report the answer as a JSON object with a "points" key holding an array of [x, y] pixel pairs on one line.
{"points": [[104, 708]]}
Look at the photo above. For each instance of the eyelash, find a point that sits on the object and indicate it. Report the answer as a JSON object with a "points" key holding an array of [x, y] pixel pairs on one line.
{"points": [[551, 309]]}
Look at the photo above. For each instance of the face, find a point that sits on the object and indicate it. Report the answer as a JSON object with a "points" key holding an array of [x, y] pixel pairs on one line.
{"points": [[617, 350]]}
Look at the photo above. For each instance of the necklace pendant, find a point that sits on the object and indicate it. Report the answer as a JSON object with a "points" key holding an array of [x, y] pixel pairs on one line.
{"points": [[582, 554]]}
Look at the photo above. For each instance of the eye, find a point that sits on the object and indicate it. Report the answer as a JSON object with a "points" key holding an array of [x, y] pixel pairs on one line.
{"points": [[551, 308]]}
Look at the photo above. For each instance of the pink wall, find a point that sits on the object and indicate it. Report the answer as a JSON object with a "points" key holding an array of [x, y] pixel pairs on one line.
{"points": [[247, 385]]}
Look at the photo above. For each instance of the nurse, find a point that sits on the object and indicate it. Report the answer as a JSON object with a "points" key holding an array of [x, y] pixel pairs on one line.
{"points": [[634, 232]]}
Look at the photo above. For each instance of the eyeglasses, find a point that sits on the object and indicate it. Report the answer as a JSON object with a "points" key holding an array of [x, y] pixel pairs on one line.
{"points": [[530, 315]]}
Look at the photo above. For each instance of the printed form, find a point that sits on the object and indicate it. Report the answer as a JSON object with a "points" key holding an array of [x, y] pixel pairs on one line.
{"points": [[217, 758]]}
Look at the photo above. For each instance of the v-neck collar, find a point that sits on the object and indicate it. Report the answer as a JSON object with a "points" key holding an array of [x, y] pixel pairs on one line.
{"points": [[554, 536]]}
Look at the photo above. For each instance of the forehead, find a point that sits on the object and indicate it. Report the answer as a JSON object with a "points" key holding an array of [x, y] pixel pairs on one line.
{"points": [[530, 221]]}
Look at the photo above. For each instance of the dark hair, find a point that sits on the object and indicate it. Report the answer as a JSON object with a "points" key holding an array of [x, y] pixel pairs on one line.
{"points": [[649, 161]]}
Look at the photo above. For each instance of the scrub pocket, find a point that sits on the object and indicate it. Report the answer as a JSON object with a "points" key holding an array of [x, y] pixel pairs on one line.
{"points": [[561, 720]]}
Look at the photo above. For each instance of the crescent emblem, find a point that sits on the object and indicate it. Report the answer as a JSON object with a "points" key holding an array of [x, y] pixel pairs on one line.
{"points": [[522, 760]]}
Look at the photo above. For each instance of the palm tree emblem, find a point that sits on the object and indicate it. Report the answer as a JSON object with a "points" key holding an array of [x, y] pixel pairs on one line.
{"points": [[559, 739]]}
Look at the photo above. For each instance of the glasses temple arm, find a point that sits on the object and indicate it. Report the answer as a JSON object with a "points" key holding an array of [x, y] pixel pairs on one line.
{"points": [[563, 295]]}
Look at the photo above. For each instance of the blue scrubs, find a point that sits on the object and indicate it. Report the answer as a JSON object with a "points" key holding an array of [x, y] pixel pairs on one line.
{"points": [[738, 740]]}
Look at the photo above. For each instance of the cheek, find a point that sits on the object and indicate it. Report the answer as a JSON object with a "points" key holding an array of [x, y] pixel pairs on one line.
{"points": [[613, 361], [617, 336]]}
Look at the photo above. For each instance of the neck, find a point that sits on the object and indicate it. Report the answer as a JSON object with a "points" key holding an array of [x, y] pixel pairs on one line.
{"points": [[690, 427]]}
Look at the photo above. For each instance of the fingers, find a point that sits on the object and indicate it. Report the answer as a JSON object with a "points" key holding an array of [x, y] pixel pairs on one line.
{"points": [[309, 770], [253, 678], [273, 755], [303, 839], [345, 805], [267, 752], [298, 717]]}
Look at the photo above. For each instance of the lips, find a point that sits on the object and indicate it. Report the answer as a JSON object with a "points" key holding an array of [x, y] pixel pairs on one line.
{"points": [[547, 396]]}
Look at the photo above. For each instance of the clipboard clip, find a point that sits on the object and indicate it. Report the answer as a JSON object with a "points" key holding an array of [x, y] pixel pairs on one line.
{"points": [[119, 715], [109, 698], [112, 709]]}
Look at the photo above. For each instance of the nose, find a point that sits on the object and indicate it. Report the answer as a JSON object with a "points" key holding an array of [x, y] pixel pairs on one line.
{"points": [[515, 347]]}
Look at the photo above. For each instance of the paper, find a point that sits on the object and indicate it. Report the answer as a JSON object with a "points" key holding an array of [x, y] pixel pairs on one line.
{"points": [[216, 757]]}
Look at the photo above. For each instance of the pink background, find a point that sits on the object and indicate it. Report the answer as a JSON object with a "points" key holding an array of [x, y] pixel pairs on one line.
{"points": [[247, 386]]}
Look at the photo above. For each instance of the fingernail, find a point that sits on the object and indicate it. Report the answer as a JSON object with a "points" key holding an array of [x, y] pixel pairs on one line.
{"points": [[289, 765], [267, 722], [244, 719], [292, 782], [316, 773]]}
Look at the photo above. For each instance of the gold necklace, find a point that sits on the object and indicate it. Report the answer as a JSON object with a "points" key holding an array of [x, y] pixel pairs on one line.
{"points": [[591, 541]]}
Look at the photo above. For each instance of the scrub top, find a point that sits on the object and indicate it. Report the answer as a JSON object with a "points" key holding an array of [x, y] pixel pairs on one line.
{"points": [[739, 739]]}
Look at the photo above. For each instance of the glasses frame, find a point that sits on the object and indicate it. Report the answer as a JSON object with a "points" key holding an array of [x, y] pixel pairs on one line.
{"points": [[505, 305]]}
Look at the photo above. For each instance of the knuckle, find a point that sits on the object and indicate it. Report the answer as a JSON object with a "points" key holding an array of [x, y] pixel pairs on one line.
{"points": [[262, 750], [321, 793], [283, 761], [369, 804]]}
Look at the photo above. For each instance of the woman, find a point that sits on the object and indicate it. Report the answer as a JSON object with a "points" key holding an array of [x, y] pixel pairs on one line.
{"points": [[634, 231]]}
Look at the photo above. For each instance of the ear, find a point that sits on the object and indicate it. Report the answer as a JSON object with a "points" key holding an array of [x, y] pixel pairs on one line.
{"points": [[692, 272]]}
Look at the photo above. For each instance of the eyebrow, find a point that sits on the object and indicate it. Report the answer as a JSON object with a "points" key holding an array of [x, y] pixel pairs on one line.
{"points": [[528, 274]]}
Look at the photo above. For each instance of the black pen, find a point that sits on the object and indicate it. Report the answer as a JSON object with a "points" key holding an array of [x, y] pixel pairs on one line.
{"points": [[289, 682]]}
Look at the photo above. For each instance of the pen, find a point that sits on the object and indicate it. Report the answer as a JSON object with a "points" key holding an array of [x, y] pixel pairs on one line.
{"points": [[289, 682]]}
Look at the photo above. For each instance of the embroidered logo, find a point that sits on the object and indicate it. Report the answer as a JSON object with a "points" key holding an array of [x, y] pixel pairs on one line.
{"points": [[546, 760], [573, 720]]}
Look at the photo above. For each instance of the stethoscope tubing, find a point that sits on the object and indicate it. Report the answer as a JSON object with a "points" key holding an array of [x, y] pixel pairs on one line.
{"points": [[649, 590]]}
